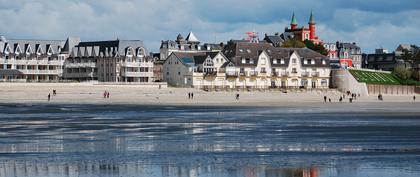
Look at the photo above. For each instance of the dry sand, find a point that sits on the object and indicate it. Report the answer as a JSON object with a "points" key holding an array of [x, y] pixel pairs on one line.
{"points": [[81, 93]]}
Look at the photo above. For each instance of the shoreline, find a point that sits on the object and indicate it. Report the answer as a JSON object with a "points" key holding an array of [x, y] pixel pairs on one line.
{"points": [[81, 93]]}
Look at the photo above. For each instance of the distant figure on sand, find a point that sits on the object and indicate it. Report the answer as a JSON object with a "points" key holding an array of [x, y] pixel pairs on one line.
{"points": [[351, 100], [49, 97], [414, 98], [237, 96], [341, 99], [189, 95], [54, 92], [325, 99], [192, 95], [105, 93], [329, 99], [380, 97]]}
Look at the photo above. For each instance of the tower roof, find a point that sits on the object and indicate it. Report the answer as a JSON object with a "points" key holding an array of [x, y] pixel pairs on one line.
{"points": [[191, 37], [311, 19], [294, 22]]}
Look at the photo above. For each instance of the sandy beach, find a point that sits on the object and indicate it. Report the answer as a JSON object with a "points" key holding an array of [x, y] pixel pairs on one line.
{"points": [[83, 93]]}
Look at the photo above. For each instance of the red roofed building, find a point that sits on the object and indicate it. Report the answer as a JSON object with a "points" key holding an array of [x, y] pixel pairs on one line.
{"points": [[304, 33]]}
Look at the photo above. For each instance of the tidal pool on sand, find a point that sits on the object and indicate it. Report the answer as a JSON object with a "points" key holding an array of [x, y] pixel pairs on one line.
{"points": [[129, 140]]}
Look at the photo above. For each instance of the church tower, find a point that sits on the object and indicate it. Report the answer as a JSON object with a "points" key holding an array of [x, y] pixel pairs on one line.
{"points": [[293, 23], [312, 28]]}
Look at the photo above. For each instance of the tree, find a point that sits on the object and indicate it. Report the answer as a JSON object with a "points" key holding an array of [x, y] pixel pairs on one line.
{"points": [[412, 57], [316, 47], [402, 73], [293, 43]]}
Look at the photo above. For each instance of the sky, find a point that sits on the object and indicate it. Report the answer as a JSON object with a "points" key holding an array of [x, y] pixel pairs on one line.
{"points": [[370, 23]]}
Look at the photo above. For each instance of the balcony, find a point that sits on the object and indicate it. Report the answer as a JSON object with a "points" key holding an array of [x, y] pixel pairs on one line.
{"points": [[214, 73], [284, 74], [136, 64], [80, 75], [42, 72], [305, 74], [242, 74], [252, 73], [231, 74], [80, 65], [137, 74], [315, 74], [30, 62]]}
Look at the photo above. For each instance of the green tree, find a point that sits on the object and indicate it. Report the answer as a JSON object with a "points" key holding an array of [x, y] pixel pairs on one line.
{"points": [[412, 57], [402, 73], [316, 47], [293, 43]]}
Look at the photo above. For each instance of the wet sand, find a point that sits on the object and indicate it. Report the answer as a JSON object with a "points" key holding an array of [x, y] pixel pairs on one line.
{"points": [[77, 93]]}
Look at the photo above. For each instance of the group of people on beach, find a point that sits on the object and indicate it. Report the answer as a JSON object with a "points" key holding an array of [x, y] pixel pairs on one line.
{"points": [[352, 96], [190, 95], [49, 94], [106, 94]]}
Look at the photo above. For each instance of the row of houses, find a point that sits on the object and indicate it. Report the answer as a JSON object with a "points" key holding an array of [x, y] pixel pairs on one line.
{"points": [[247, 65], [73, 60]]}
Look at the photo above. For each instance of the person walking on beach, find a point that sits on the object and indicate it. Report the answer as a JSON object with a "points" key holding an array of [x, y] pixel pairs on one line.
{"points": [[341, 99], [49, 97], [329, 99], [54, 92], [192, 95], [414, 98], [237, 96], [189, 95], [107, 95], [325, 99]]}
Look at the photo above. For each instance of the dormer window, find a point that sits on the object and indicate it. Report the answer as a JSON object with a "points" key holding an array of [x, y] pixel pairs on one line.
{"points": [[139, 52], [312, 62], [129, 52], [324, 62], [274, 61], [241, 50], [247, 50], [282, 61]]}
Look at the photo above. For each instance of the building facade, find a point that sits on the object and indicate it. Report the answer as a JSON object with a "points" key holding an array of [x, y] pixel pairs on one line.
{"points": [[350, 55], [36, 60], [110, 61], [245, 65]]}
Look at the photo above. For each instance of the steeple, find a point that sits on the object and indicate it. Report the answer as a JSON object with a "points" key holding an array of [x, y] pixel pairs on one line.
{"points": [[311, 19], [293, 23]]}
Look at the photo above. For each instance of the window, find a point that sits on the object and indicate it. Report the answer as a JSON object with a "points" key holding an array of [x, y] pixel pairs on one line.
{"points": [[312, 62], [263, 61], [323, 62], [282, 61], [263, 70], [294, 60], [167, 73], [242, 70], [305, 62], [294, 70], [243, 61], [179, 73], [274, 61]]}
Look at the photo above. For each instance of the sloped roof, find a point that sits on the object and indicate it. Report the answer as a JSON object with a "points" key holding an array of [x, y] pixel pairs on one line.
{"points": [[191, 37], [10, 72]]}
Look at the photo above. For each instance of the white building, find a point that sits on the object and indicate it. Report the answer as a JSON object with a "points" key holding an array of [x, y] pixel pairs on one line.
{"points": [[110, 61], [248, 65], [37, 60]]}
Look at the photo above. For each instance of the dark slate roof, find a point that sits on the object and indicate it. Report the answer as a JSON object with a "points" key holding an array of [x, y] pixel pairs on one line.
{"points": [[10, 72], [347, 45], [235, 51], [110, 48], [55, 45]]}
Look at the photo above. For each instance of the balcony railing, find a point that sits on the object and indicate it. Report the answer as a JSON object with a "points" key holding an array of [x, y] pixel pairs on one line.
{"points": [[137, 64], [315, 74], [137, 74], [80, 75], [214, 73], [232, 74], [80, 65], [52, 72], [305, 74], [252, 73], [284, 74]]}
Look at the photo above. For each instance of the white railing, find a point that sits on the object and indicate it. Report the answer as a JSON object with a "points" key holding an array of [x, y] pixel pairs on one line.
{"points": [[75, 75], [137, 64], [31, 62], [52, 72], [137, 74], [80, 65]]}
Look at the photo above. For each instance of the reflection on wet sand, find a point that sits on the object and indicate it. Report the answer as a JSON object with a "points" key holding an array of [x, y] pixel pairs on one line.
{"points": [[90, 169], [120, 141]]}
